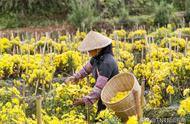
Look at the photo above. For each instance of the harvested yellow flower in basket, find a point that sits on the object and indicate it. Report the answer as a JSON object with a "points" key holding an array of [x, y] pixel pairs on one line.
{"points": [[119, 96]]}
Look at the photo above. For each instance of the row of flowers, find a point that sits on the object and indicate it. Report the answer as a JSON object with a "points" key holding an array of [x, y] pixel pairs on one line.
{"points": [[165, 69]]}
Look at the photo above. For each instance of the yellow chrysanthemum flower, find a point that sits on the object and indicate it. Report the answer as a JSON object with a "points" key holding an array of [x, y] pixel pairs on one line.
{"points": [[132, 120], [170, 90]]}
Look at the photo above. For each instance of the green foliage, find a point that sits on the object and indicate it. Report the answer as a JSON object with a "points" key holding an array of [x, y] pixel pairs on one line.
{"points": [[146, 20], [12, 20], [187, 9], [123, 12], [112, 11], [110, 8], [137, 7], [33, 6], [179, 4], [82, 13], [164, 13], [23, 13], [8, 20], [85, 13]]}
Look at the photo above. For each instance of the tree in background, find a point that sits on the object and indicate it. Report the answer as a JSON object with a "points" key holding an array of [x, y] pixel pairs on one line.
{"points": [[178, 4], [109, 8], [34, 6], [82, 13], [138, 7], [164, 14], [187, 10], [24, 13]]}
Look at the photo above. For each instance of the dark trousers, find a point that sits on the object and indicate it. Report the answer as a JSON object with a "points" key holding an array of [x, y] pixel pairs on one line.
{"points": [[101, 107]]}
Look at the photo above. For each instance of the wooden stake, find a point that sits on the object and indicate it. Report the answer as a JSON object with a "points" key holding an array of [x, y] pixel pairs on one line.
{"points": [[152, 39], [186, 43], [59, 34], [38, 109], [22, 36], [13, 49], [170, 47], [24, 94], [116, 38], [43, 88], [170, 59], [36, 37], [40, 49], [12, 35], [132, 40], [142, 99], [36, 89], [142, 55], [17, 50], [177, 49], [125, 39]]}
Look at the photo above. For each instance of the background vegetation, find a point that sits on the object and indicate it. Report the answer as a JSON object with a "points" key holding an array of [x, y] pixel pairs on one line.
{"points": [[92, 13]]}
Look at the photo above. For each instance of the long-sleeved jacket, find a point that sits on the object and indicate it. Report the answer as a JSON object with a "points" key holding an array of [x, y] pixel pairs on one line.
{"points": [[102, 68]]}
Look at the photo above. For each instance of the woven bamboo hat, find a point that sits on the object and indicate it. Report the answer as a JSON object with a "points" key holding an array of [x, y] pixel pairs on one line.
{"points": [[94, 40]]}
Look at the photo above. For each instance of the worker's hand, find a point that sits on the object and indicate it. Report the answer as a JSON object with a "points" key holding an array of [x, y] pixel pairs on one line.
{"points": [[78, 102], [69, 79]]}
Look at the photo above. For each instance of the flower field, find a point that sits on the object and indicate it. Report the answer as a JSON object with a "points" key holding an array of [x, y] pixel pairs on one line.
{"points": [[32, 67]]}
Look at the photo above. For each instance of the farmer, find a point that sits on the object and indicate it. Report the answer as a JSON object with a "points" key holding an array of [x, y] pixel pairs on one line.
{"points": [[102, 66]]}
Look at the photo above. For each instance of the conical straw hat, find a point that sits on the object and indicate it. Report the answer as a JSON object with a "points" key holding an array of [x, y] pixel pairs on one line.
{"points": [[94, 40]]}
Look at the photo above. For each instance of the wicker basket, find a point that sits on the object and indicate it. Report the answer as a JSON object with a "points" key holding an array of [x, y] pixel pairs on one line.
{"points": [[120, 83]]}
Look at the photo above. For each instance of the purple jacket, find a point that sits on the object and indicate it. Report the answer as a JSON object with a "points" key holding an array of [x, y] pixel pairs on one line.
{"points": [[102, 68]]}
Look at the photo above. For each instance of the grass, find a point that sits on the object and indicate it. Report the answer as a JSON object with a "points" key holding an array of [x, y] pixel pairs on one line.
{"points": [[11, 20]]}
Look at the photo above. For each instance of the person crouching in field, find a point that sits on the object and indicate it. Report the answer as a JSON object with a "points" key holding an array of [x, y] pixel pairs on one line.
{"points": [[102, 66]]}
